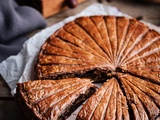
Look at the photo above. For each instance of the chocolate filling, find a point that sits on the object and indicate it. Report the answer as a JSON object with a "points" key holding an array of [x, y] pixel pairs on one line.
{"points": [[71, 108]]}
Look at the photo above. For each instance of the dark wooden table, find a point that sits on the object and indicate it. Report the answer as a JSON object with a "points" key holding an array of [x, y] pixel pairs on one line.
{"points": [[9, 109]]}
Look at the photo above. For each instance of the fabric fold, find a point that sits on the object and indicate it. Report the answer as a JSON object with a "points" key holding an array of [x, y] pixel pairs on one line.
{"points": [[15, 22]]}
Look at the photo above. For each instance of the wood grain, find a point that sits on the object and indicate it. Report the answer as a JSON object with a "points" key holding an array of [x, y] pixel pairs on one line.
{"points": [[50, 7]]}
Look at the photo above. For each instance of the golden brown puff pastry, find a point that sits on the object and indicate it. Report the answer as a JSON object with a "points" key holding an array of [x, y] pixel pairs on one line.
{"points": [[122, 53], [53, 99]]}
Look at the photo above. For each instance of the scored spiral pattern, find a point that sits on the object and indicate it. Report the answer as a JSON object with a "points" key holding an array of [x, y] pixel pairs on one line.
{"points": [[123, 47]]}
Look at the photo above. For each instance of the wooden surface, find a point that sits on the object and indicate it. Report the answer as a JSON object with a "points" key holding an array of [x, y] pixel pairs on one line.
{"points": [[9, 109], [50, 7]]}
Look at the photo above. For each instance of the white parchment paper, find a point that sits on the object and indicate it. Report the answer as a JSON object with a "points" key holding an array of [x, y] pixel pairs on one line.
{"points": [[20, 68]]}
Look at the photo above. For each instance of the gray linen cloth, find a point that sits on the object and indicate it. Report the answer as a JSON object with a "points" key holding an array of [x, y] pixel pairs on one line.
{"points": [[15, 22]]}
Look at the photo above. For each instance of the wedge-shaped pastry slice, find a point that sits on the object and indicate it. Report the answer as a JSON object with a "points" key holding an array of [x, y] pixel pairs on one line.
{"points": [[53, 99], [102, 29], [143, 97], [106, 103], [150, 71], [146, 63], [89, 107], [111, 24], [60, 71], [122, 29], [70, 46], [79, 34], [130, 31], [56, 47], [62, 60], [88, 25], [150, 38], [136, 37], [146, 54]]}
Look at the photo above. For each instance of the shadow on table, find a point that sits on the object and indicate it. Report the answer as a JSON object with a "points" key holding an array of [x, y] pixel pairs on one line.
{"points": [[9, 110]]}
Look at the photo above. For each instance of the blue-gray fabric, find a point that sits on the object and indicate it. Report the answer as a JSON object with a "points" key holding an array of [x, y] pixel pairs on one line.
{"points": [[15, 22]]}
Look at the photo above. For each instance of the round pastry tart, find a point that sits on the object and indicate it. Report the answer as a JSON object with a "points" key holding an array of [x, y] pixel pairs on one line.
{"points": [[120, 52]]}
